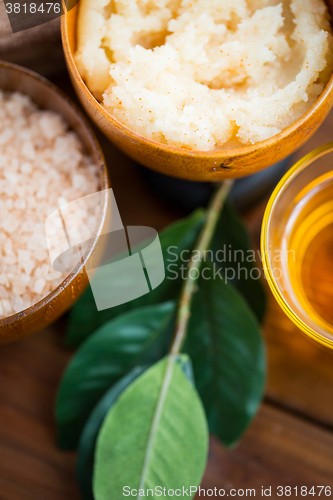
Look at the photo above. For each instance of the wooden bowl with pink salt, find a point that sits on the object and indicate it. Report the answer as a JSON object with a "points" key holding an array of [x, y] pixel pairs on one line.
{"points": [[49, 157]]}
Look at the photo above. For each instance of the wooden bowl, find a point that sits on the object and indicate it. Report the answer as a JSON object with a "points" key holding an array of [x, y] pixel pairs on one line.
{"points": [[193, 165], [47, 96]]}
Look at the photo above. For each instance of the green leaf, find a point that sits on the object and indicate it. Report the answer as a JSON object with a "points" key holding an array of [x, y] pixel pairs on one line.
{"points": [[84, 317], [227, 350], [154, 435], [88, 439], [232, 250], [137, 337], [87, 443]]}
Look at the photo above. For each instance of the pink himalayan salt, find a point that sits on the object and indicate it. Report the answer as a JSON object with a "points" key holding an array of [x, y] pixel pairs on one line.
{"points": [[42, 166]]}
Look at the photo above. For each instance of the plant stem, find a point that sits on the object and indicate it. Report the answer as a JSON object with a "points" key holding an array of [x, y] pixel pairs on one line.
{"points": [[183, 314]]}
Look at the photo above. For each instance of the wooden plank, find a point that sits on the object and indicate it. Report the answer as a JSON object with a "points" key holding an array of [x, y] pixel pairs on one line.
{"points": [[279, 449], [300, 370], [31, 466]]}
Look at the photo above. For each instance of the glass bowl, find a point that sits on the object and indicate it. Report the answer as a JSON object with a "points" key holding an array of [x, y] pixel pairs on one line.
{"points": [[297, 213]]}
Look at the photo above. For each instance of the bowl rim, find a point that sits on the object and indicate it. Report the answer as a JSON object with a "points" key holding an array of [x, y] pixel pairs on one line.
{"points": [[104, 179], [281, 187], [245, 150]]}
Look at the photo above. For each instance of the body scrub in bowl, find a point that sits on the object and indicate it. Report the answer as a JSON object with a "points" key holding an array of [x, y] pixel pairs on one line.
{"points": [[48, 158], [205, 74], [203, 89]]}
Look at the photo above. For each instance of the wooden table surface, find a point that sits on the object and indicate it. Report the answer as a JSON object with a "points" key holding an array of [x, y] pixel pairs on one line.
{"points": [[290, 442]]}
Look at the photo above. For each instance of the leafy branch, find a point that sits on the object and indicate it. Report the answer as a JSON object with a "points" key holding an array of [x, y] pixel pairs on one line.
{"points": [[203, 244], [137, 408]]}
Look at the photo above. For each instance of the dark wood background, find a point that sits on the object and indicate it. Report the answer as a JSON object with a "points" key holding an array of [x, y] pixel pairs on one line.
{"points": [[290, 442]]}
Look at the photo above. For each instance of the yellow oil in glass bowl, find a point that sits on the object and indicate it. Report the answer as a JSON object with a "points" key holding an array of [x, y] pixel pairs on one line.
{"points": [[310, 260], [297, 244]]}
